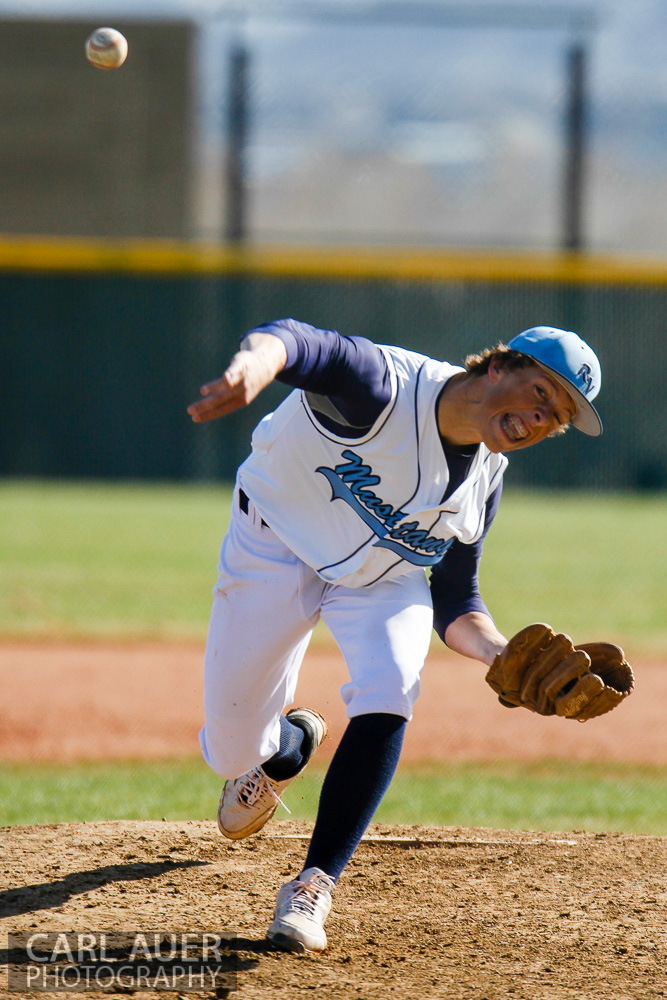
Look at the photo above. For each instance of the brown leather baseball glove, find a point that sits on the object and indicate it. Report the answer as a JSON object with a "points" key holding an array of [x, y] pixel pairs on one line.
{"points": [[545, 672]]}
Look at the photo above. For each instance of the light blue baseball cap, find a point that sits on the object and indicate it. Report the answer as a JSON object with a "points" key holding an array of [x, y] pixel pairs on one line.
{"points": [[568, 359]]}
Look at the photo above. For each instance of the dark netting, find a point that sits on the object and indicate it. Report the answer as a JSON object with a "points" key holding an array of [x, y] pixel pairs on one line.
{"points": [[123, 355]]}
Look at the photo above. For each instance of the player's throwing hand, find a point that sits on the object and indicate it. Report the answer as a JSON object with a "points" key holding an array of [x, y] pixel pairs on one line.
{"points": [[251, 369]]}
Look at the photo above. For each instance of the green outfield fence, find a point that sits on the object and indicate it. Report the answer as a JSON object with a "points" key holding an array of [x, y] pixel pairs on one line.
{"points": [[103, 345]]}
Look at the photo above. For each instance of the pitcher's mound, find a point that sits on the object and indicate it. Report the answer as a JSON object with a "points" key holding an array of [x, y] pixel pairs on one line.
{"points": [[420, 912]]}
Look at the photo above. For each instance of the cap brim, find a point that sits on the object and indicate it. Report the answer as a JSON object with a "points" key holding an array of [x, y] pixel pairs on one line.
{"points": [[586, 419]]}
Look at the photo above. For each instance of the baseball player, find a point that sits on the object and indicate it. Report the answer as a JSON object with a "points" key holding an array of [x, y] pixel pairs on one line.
{"points": [[380, 464]]}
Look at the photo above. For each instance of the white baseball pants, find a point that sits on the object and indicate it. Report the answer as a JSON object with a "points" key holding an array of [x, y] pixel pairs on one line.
{"points": [[265, 605]]}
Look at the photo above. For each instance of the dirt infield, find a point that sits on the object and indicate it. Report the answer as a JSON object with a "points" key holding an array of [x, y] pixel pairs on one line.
{"points": [[446, 913], [94, 701]]}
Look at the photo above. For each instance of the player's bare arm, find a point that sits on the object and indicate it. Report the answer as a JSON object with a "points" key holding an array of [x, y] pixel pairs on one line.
{"points": [[475, 635], [251, 369]]}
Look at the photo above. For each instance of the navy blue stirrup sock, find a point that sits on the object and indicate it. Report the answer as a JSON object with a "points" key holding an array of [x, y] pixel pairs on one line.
{"points": [[358, 776], [288, 758]]}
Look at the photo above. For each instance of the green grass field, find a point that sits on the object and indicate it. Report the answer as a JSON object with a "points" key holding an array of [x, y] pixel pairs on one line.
{"points": [[550, 795], [124, 561], [139, 561]]}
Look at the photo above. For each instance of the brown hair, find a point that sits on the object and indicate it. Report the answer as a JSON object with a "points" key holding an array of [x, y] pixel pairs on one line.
{"points": [[478, 364]]}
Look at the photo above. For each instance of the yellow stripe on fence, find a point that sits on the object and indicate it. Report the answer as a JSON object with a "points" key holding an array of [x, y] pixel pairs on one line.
{"points": [[184, 259]]}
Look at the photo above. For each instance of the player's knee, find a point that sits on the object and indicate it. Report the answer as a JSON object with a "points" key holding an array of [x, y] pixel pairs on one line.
{"points": [[227, 754], [231, 764]]}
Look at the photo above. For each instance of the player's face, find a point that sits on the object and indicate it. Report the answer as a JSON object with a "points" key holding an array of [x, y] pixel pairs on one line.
{"points": [[523, 407]]}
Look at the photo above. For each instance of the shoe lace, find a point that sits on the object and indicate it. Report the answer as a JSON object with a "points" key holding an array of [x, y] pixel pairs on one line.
{"points": [[307, 896], [254, 785]]}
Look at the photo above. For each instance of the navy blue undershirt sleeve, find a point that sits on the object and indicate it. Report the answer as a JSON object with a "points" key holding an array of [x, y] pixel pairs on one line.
{"points": [[352, 372], [455, 580]]}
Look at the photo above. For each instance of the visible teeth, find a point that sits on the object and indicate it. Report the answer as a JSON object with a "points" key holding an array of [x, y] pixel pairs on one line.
{"points": [[515, 428]]}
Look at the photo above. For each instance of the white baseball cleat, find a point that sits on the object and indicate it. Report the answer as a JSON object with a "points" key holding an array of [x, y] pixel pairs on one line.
{"points": [[302, 907], [248, 802]]}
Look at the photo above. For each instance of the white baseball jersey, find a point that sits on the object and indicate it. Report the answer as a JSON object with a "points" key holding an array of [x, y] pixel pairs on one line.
{"points": [[360, 509]]}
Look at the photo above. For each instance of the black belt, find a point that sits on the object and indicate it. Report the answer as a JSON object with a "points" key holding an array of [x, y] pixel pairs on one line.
{"points": [[243, 504]]}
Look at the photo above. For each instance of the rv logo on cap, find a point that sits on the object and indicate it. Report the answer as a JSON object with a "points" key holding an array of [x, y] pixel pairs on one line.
{"points": [[586, 376]]}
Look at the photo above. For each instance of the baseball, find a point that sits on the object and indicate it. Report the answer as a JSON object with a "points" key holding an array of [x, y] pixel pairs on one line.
{"points": [[106, 48]]}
